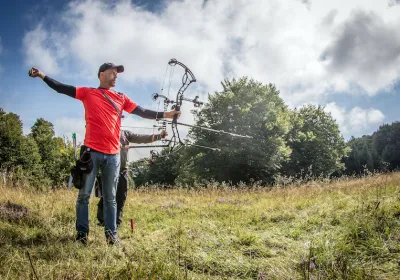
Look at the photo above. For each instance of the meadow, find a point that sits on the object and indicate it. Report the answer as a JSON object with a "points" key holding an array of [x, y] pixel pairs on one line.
{"points": [[343, 229]]}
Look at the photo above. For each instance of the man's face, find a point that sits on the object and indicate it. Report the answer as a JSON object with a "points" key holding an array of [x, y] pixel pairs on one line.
{"points": [[109, 77]]}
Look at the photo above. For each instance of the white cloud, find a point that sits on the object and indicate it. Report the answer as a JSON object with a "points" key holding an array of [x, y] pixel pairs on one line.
{"points": [[66, 126], [293, 44], [393, 2], [355, 121], [45, 50], [375, 116], [365, 50], [270, 41]]}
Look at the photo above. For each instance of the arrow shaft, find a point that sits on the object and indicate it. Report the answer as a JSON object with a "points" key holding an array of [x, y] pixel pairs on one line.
{"points": [[213, 130], [205, 147]]}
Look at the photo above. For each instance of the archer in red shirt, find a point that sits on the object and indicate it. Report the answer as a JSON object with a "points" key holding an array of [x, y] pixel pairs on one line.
{"points": [[103, 113], [103, 123]]}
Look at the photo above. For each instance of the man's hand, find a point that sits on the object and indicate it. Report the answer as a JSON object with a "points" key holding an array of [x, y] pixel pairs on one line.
{"points": [[163, 134], [171, 114], [34, 72]]}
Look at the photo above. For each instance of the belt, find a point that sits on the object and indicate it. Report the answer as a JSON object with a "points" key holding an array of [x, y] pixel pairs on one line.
{"points": [[93, 150]]}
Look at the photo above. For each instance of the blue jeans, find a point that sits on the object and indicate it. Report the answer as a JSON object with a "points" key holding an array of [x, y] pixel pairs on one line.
{"points": [[122, 192], [109, 166]]}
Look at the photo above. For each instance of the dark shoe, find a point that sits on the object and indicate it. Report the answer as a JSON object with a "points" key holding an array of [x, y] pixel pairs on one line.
{"points": [[82, 237], [112, 241]]}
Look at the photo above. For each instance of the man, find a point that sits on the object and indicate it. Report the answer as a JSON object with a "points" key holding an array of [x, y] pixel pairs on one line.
{"points": [[122, 189], [103, 113]]}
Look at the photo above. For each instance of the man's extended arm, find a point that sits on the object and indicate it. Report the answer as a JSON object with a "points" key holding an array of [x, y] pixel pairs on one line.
{"points": [[142, 138], [71, 91], [56, 85], [147, 114], [59, 87]]}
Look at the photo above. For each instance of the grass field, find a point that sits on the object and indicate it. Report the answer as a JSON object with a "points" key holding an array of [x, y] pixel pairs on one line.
{"points": [[349, 229]]}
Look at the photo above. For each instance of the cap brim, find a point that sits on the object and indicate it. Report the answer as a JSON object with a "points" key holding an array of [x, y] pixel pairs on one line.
{"points": [[120, 68]]}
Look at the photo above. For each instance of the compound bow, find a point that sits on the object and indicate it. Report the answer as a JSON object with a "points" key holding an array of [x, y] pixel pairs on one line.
{"points": [[175, 143]]}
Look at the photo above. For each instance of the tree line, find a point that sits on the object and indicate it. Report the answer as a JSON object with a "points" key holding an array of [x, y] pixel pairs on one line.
{"points": [[298, 143], [38, 159]]}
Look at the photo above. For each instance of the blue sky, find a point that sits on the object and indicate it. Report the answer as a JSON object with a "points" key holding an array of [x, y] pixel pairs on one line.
{"points": [[340, 54]]}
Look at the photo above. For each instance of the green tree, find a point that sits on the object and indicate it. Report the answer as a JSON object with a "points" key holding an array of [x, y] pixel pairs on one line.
{"points": [[43, 132], [362, 155], [162, 170], [244, 107], [316, 143], [63, 159], [387, 144], [138, 171], [19, 155], [56, 156], [10, 138], [29, 161]]}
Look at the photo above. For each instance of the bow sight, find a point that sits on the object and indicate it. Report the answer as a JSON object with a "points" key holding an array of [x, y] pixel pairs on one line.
{"points": [[196, 102]]}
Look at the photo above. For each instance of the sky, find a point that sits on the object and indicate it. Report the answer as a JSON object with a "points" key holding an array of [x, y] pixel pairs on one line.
{"points": [[343, 55]]}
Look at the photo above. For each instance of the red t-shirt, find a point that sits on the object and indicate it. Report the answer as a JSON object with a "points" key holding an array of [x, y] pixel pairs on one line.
{"points": [[103, 124]]}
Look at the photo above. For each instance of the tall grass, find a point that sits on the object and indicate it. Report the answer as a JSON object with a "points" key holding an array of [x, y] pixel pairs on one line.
{"points": [[346, 229]]}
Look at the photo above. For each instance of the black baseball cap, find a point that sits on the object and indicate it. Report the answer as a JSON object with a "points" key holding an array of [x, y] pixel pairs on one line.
{"points": [[109, 65]]}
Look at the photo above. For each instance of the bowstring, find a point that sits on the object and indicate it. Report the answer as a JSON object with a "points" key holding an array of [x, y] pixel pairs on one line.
{"points": [[162, 83]]}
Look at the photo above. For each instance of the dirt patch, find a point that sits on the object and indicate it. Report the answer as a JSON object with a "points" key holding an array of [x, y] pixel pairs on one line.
{"points": [[13, 212]]}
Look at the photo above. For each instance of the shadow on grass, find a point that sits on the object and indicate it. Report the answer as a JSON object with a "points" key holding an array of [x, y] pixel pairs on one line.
{"points": [[27, 237], [23, 227]]}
